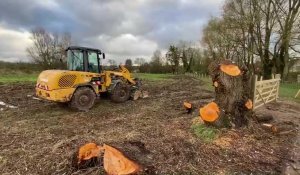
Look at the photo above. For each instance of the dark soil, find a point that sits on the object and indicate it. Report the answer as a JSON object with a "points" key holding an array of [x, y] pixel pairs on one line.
{"points": [[41, 137]]}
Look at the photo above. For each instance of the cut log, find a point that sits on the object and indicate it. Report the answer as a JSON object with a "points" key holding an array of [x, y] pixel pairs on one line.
{"points": [[264, 118], [136, 95], [279, 128], [267, 126], [188, 107], [145, 94], [139, 94]]}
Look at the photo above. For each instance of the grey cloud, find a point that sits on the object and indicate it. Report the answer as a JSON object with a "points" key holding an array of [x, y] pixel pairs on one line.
{"points": [[154, 23]]}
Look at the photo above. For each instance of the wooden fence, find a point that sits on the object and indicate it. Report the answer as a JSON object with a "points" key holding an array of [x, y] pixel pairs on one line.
{"points": [[265, 91]]}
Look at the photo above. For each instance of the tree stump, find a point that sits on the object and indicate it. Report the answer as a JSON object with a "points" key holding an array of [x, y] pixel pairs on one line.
{"points": [[232, 106]]}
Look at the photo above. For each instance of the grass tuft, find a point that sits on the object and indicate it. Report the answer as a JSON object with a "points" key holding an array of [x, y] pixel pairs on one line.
{"points": [[205, 133]]}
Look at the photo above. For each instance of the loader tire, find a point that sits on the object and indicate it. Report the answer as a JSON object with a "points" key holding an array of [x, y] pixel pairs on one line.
{"points": [[83, 99], [120, 93]]}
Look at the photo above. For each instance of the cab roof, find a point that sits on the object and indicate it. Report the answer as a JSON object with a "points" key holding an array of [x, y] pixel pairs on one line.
{"points": [[83, 48]]}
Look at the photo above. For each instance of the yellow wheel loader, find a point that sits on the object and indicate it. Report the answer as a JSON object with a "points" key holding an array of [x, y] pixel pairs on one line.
{"points": [[84, 80]]}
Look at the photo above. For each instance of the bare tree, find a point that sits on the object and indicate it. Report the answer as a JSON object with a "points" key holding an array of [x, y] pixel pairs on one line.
{"points": [[156, 58], [173, 56], [48, 50], [287, 13], [139, 61], [253, 30], [128, 64], [112, 62]]}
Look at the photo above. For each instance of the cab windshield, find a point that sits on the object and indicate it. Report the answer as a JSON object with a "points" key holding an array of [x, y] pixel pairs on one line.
{"points": [[75, 60]]}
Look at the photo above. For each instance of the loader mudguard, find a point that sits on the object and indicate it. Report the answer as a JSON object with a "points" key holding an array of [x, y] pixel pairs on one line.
{"points": [[95, 89]]}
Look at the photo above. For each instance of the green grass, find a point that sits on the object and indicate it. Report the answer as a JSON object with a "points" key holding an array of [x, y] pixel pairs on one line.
{"points": [[152, 77], [207, 83], [289, 90], [12, 78], [205, 133]]}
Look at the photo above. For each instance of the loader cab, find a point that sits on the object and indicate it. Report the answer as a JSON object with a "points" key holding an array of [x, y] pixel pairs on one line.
{"points": [[84, 59]]}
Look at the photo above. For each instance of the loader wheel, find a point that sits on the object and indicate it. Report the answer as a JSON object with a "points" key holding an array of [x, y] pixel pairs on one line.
{"points": [[83, 99], [120, 93]]}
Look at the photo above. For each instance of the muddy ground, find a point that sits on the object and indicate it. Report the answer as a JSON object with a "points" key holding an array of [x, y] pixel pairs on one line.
{"points": [[40, 137]]}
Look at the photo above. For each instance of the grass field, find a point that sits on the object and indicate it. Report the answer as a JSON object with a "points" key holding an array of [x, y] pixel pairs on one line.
{"points": [[12, 78], [31, 77], [289, 90]]}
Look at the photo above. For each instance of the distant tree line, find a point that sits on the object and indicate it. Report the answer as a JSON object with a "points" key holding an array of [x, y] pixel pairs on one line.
{"points": [[48, 52], [26, 67], [180, 58]]}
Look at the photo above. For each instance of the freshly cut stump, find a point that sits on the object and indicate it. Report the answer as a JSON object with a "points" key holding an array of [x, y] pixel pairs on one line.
{"points": [[115, 162], [188, 106], [88, 155], [231, 107]]}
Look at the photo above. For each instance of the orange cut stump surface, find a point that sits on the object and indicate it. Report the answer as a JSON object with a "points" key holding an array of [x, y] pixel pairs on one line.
{"points": [[210, 112], [115, 163], [89, 151], [230, 69], [187, 105], [249, 104]]}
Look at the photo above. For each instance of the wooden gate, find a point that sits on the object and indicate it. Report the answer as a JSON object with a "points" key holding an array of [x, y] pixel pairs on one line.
{"points": [[265, 91]]}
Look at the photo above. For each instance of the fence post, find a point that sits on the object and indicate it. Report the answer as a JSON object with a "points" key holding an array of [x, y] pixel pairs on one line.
{"points": [[254, 80]]}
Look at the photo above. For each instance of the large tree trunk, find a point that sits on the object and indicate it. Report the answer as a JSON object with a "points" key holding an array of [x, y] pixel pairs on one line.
{"points": [[283, 59], [232, 94], [267, 70]]}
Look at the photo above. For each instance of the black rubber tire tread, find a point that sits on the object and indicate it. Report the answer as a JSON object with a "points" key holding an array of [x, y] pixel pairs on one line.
{"points": [[75, 102], [116, 93]]}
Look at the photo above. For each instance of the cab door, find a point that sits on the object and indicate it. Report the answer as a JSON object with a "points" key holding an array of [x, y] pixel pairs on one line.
{"points": [[93, 62]]}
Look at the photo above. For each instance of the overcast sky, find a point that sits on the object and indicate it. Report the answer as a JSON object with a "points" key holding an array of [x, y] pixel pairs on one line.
{"points": [[121, 28]]}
